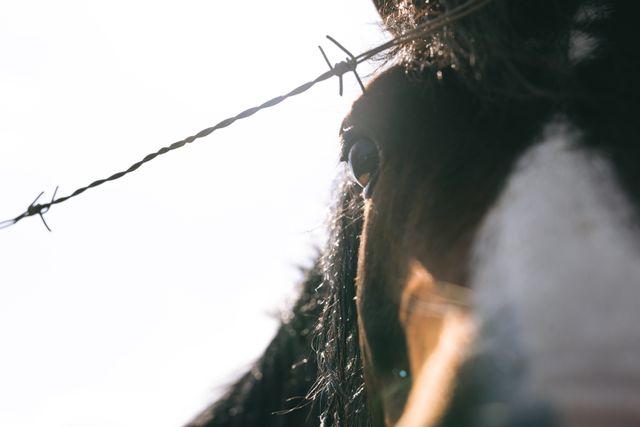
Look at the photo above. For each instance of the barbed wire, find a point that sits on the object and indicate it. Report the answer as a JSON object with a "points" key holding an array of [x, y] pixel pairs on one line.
{"points": [[338, 70]]}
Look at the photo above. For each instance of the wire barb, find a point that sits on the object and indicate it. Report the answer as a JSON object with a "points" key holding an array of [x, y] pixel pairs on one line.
{"points": [[350, 64], [337, 70], [33, 209]]}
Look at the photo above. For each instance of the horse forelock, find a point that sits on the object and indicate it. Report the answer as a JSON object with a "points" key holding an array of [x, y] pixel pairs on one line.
{"points": [[505, 48]]}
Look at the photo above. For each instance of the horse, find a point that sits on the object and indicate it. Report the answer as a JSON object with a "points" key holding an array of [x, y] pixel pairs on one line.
{"points": [[483, 264]]}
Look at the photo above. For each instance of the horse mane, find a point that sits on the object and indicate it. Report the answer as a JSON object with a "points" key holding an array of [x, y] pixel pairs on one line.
{"points": [[339, 389], [273, 392], [310, 373]]}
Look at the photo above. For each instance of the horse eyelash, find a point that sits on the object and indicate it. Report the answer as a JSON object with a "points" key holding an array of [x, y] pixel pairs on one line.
{"points": [[348, 137]]}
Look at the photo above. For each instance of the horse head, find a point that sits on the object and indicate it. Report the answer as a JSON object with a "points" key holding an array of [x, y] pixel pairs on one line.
{"points": [[498, 267]]}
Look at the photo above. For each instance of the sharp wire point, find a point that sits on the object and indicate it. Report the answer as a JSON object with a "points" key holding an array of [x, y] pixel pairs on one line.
{"points": [[324, 55], [334, 41], [43, 221], [36, 199]]}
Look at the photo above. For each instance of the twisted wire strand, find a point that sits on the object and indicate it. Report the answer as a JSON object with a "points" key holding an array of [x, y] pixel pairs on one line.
{"points": [[338, 70]]}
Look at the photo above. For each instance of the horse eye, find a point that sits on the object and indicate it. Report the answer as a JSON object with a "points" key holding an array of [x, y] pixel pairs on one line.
{"points": [[363, 162]]}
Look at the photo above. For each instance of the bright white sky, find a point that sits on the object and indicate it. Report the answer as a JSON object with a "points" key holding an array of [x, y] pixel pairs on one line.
{"points": [[155, 291]]}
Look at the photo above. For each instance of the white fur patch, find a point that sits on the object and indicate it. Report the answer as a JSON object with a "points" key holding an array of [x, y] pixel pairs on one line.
{"points": [[561, 252], [582, 46]]}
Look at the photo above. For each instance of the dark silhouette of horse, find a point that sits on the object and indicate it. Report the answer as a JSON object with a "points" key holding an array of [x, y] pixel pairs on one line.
{"points": [[483, 266]]}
